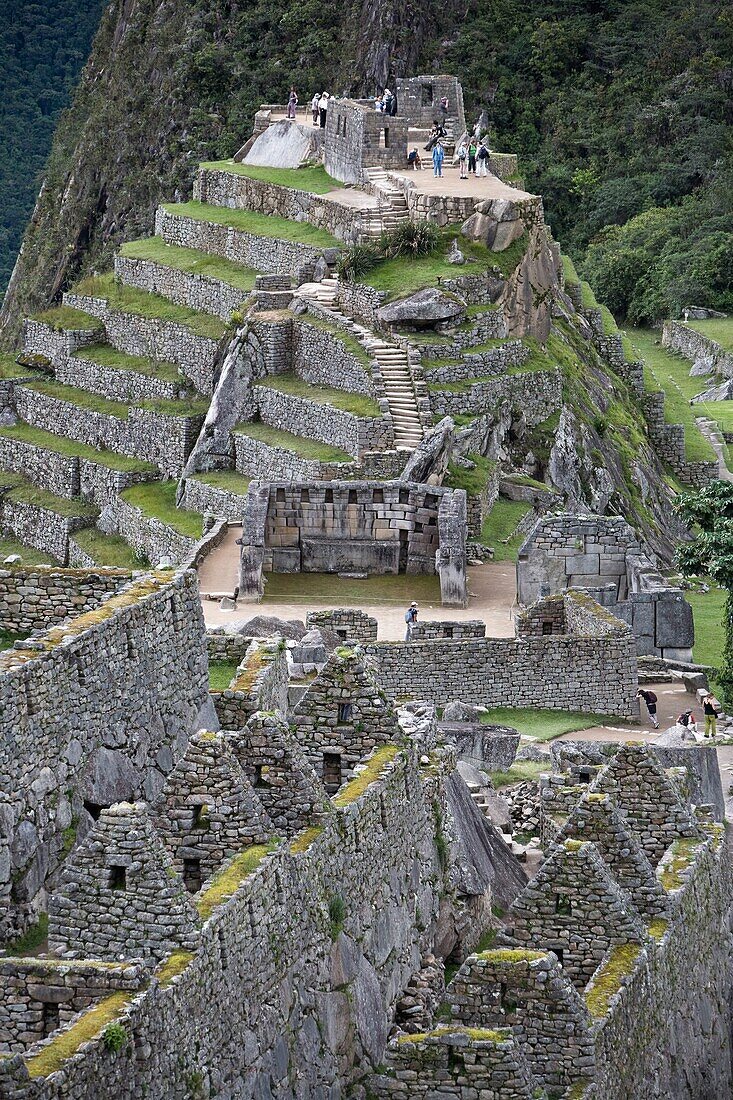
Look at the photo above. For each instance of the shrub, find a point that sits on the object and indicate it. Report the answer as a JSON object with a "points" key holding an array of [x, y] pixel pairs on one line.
{"points": [[357, 261], [410, 239], [114, 1037], [336, 915]]}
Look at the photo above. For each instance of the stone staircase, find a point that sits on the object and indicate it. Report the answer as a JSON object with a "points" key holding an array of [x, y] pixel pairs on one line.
{"points": [[392, 363], [392, 210]]}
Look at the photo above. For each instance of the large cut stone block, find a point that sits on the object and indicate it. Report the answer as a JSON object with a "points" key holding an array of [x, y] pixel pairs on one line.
{"points": [[674, 625], [349, 556]]}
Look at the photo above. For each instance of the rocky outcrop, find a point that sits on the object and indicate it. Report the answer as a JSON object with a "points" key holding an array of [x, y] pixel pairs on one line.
{"points": [[424, 309], [531, 288], [286, 145], [497, 223], [429, 461]]}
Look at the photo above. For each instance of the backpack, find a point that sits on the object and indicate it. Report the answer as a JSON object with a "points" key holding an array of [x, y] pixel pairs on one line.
{"points": [[651, 697], [408, 616]]}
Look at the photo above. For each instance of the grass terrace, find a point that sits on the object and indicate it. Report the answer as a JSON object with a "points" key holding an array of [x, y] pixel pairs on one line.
{"points": [[473, 481], [59, 444], [157, 500], [64, 317], [499, 528], [66, 1042], [228, 880], [30, 556], [350, 342], [104, 355], [10, 369], [719, 329], [388, 589], [542, 724], [192, 261], [313, 177], [110, 550], [286, 441], [666, 371], [355, 403], [259, 225], [402, 276], [229, 480], [708, 612], [120, 409], [22, 490], [221, 674], [125, 299]]}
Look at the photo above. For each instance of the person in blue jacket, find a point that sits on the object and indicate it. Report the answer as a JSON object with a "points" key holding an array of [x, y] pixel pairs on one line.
{"points": [[438, 154]]}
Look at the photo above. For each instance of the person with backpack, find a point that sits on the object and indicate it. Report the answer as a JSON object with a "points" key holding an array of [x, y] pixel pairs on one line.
{"points": [[686, 723], [482, 159], [651, 705], [711, 710], [472, 157], [410, 619], [438, 154], [462, 159]]}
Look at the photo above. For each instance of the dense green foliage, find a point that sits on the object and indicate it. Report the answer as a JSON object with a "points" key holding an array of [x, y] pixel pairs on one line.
{"points": [[42, 49], [621, 113]]}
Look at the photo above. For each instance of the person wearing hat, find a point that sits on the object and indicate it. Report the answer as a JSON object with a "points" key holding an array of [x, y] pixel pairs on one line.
{"points": [[410, 619]]}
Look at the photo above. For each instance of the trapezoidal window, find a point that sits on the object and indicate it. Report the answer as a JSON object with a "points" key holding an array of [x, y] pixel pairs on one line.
{"points": [[345, 712], [192, 875], [50, 1018], [200, 817], [117, 878], [262, 772], [560, 954], [384, 138], [563, 905], [546, 627]]}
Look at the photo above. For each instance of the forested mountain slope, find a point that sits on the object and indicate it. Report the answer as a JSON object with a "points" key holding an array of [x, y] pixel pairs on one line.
{"points": [[42, 49], [621, 113]]}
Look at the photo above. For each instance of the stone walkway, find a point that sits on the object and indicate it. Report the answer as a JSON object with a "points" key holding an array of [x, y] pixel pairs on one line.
{"points": [[710, 430], [478, 188]]}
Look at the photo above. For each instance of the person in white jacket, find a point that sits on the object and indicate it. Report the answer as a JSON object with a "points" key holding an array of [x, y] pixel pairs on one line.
{"points": [[323, 108]]}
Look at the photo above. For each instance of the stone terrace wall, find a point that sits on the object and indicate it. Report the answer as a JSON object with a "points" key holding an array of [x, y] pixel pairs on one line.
{"points": [[166, 341], [694, 346], [150, 537], [669, 442], [207, 499], [288, 1003], [677, 999], [256, 459], [163, 440], [353, 434], [66, 475], [118, 385], [56, 345], [322, 359], [595, 674], [537, 393], [270, 255], [38, 527], [34, 598], [187, 289], [98, 718], [245, 193]]}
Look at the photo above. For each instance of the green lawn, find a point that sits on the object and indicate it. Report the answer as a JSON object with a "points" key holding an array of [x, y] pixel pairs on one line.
{"points": [[407, 274], [390, 589], [64, 317], [719, 329], [221, 674], [30, 556], [259, 225], [313, 178], [192, 261], [473, 481], [107, 356], [157, 500], [356, 403], [60, 444], [120, 409], [126, 299], [23, 490], [109, 550], [225, 479], [671, 373], [498, 528], [544, 725], [708, 610], [521, 772], [306, 448]]}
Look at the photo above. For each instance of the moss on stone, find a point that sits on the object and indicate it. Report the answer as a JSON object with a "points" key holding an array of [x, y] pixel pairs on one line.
{"points": [[67, 1042], [304, 839], [573, 845], [658, 928], [370, 773], [32, 938], [682, 852], [500, 955], [253, 665], [227, 881], [607, 980], [174, 965], [478, 1034]]}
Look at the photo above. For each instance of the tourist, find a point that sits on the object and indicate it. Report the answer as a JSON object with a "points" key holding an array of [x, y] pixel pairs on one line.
{"points": [[378, 103], [651, 705], [686, 723], [413, 159], [292, 103], [472, 157], [314, 108], [462, 159], [387, 99], [410, 619], [438, 154], [711, 710], [323, 109], [482, 159]]}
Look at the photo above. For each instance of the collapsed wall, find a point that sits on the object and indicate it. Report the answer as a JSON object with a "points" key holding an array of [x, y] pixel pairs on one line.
{"points": [[138, 662]]}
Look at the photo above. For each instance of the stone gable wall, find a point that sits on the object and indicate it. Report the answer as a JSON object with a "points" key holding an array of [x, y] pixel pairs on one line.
{"points": [[142, 672]]}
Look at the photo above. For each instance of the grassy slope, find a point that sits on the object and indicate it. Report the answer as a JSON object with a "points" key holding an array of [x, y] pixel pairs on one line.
{"points": [[129, 300], [544, 725], [23, 490], [671, 373], [356, 403], [407, 274], [498, 528], [94, 403], [708, 612], [30, 556], [107, 549], [313, 178], [221, 674], [225, 479], [259, 225], [192, 261], [62, 445], [157, 500], [719, 329], [64, 317], [306, 448]]}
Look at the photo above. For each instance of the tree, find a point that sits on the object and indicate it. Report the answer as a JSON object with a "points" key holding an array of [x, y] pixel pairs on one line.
{"points": [[711, 554]]}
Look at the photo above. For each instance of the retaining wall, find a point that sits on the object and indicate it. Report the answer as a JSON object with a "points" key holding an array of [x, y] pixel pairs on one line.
{"points": [[66, 475], [686, 341], [538, 394], [298, 415], [199, 292], [35, 598], [148, 536]]}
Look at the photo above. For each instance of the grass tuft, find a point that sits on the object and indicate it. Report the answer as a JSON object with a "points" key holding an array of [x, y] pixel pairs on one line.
{"points": [[607, 980], [305, 838], [174, 965]]}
